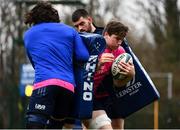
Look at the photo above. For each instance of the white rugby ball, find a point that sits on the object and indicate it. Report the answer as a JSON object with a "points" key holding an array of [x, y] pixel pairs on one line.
{"points": [[125, 57]]}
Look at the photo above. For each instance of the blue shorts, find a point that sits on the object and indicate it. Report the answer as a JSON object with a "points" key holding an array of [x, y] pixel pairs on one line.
{"points": [[52, 101]]}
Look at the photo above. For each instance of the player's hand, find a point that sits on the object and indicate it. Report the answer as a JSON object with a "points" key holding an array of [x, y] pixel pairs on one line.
{"points": [[127, 69], [105, 57]]}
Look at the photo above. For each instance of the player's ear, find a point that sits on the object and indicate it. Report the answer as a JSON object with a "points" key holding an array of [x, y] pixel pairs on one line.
{"points": [[106, 34], [90, 19]]}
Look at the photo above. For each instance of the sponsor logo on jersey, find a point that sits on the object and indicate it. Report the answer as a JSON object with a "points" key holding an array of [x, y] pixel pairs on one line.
{"points": [[40, 107]]}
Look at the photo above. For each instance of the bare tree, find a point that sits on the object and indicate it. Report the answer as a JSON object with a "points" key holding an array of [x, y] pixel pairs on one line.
{"points": [[165, 27], [172, 29], [12, 55]]}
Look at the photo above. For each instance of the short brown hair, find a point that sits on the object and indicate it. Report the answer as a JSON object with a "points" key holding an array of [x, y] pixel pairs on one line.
{"points": [[42, 12], [116, 28]]}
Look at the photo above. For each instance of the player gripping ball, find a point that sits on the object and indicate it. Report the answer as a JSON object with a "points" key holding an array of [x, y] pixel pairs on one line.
{"points": [[116, 67]]}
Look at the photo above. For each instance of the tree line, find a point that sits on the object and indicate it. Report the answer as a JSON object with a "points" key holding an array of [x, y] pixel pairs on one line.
{"points": [[163, 55]]}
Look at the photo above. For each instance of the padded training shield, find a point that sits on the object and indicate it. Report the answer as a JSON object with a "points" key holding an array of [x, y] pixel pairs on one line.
{"points": [[84, 74], [139, 92]]}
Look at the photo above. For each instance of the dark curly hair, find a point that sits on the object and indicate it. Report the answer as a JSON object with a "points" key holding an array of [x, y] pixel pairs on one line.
{"points": [[42, 12]]}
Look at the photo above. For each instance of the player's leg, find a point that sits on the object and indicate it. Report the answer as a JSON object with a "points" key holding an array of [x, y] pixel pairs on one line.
{"points": [[69, 123], [115, 115], [46, 101], [118, 123], [73, 124], [36, 121], [63, 109], [55, 124], [68, 126], [38, 114], [99, 120]]}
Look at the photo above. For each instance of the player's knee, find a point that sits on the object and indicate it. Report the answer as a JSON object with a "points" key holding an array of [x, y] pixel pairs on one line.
{"points": [[34, 121], [99, 122]]}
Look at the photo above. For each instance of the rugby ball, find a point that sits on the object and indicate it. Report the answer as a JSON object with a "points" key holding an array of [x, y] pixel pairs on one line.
{"points": [[125, 57]]}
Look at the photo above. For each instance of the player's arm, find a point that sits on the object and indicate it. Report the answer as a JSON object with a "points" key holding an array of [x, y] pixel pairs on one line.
{"points": [[105, 57], [128, 70]]}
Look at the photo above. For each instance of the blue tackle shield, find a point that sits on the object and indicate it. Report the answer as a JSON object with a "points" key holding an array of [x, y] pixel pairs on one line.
{"points": [[84, 73], [139, 92]]}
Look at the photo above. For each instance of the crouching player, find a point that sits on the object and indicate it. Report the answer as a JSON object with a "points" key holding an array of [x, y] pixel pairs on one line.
{"points": [[114, 33]]}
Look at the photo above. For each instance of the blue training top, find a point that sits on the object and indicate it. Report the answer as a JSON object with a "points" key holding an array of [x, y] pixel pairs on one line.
{"points": [[51, 48]]}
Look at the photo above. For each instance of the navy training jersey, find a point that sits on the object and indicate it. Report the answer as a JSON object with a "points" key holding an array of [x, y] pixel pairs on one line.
{"points": [[99, 30]]}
